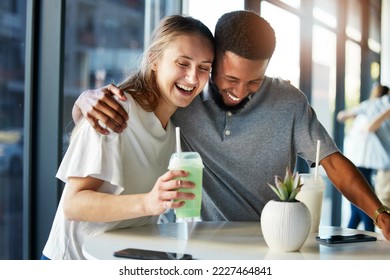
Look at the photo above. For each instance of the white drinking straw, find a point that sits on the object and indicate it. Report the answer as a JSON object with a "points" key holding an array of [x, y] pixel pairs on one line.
{"points": [[178, 145], [317, 159]]}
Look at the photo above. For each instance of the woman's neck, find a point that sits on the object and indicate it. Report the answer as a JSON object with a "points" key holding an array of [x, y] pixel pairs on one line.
{"points": [[164, 112]]}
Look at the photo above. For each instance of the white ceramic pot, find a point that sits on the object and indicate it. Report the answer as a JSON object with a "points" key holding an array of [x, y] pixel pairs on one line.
{"points": [[285, 225]]}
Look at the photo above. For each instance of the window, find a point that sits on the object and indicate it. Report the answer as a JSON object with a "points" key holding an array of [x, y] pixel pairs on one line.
{"points": [[215, 9], [285, 60], [324, 75], [12, 62], [103, 42]]}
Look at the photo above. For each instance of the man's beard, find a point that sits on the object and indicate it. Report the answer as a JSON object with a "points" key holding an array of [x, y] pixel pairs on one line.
{"points": [[217, 97]]}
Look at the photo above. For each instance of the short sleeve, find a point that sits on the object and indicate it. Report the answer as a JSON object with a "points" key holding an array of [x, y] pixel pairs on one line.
{"points": [[93, 154]]}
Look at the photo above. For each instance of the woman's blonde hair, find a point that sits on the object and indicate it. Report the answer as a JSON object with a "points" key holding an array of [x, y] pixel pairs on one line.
{"points": [[142, 84]]}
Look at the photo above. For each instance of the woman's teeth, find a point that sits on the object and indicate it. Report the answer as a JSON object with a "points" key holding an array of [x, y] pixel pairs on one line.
{"points": [[185, 88]]}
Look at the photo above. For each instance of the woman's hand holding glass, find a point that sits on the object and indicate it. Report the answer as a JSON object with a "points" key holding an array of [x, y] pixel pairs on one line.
{"points": [[166, 194]]}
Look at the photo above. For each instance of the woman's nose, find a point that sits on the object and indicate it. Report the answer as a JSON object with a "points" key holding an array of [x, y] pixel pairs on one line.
{"points": [[191, 75]]}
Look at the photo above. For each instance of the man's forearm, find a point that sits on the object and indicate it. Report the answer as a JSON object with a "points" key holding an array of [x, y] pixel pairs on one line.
{"points": [[351, 183]]}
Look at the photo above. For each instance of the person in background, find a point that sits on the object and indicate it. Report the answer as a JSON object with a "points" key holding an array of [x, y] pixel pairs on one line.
{"points": [[380, 126], [120, 180], [247, 127], [377, 92], [362, 149]]}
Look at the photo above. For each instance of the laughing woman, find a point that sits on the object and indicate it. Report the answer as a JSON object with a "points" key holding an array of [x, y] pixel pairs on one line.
{"points": [[120, 180]]}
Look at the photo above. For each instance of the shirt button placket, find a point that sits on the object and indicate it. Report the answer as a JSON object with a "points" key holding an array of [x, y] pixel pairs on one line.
{"points": [[227, 131]]}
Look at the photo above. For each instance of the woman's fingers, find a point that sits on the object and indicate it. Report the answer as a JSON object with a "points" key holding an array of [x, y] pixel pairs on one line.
{"points": [[171, 189]]}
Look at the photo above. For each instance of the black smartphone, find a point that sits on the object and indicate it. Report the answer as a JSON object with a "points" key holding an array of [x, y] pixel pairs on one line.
{"points": [[338, 239], [141, 254]]}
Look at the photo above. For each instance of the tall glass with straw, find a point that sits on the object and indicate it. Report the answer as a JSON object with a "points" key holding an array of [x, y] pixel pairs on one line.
{"points": [[192, 163], [312, 193]]}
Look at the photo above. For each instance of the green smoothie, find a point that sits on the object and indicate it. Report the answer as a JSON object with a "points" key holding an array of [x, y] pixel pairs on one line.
{"points": [[192, 163]]}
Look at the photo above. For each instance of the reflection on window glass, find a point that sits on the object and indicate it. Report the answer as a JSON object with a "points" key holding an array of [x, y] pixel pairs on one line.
{"points": [[102, 42], [285, 60], [12, 64], [324, 76]]}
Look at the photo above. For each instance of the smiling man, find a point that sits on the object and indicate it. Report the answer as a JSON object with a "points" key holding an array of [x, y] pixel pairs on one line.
{"points": [[247, 127]]}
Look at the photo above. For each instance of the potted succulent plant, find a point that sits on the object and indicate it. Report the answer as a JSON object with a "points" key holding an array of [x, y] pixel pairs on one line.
{"points": [[285, 223]]}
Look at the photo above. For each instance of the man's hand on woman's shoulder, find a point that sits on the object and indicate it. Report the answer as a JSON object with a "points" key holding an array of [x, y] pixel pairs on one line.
{"points": [[99, 105]]}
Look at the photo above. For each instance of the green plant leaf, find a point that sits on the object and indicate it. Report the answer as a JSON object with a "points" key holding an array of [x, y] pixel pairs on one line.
{"points": [[275, 190], [283, 190], [294, 194], [288, 188]]}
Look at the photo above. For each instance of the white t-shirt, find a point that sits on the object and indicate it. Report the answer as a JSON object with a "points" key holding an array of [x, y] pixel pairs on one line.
{"points": [[129, 163]]}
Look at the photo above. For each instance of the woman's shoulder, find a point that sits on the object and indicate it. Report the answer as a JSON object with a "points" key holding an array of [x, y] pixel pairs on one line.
{"points": [[128, 103]]}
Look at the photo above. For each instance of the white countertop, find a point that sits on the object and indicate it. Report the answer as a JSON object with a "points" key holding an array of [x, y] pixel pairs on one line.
{"points": [[228, 240]]}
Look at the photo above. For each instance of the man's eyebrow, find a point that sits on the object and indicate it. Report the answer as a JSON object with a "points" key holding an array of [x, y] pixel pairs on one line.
{"points": [[231, 77], [257, 80], [237, 79]]}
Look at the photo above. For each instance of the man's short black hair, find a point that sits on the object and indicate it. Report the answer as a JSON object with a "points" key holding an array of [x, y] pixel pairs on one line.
{"points": [[246, 34]]}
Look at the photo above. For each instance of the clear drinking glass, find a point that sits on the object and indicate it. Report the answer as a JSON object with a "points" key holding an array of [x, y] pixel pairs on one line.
{"points": [[192, 163], [311, 195]]}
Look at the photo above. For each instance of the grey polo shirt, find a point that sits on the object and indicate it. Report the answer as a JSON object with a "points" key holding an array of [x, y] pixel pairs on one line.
{"points": [[242, 151]]}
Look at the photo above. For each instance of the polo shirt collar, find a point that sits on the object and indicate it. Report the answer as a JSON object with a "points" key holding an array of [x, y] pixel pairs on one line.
{"points": [[206, 93]]}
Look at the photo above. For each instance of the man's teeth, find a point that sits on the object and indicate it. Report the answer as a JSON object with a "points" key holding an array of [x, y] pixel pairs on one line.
{"points": [[183, 87], [233, 97]]}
